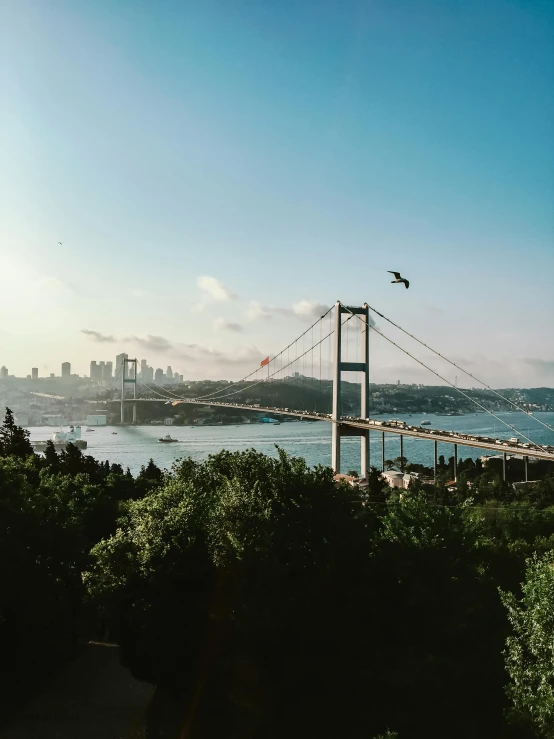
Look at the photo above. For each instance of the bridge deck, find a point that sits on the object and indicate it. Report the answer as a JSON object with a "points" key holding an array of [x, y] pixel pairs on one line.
{"points": [[443, 437]]}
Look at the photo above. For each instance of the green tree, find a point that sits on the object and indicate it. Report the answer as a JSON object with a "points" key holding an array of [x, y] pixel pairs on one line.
{"points": [[250, 575], [14, 441], [400, 463], [51, 456], [529, 650]]}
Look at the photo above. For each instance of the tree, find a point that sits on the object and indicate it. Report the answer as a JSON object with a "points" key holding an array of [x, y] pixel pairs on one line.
{"points": [[50, 455], [400, 462], [389, 464], [249, 574], [530, 647], [14, 441]]}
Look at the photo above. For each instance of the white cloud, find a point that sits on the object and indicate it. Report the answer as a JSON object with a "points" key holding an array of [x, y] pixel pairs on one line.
{"points": [[221, 324], [54, 286], [257, 310], [304, 309], [215, 289], [198, 308], [309, 309]]}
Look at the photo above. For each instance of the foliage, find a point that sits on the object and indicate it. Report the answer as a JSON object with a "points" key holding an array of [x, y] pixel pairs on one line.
{"points": [[14, 441], [263, 600], [530, 648]]}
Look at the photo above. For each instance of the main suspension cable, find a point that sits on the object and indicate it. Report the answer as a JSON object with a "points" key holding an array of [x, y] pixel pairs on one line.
{"points": [[450, 361], [534, 443]]}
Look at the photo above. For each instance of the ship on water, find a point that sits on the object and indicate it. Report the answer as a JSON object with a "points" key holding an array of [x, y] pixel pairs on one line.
{"points": [[61, 439]]}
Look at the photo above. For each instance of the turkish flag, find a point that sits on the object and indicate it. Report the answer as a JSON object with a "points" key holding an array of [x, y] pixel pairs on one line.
{"points": [[264, 362]]}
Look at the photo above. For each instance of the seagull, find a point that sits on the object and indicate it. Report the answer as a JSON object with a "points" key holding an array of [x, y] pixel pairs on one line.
{"points": [[399, 279], [60, 243]]}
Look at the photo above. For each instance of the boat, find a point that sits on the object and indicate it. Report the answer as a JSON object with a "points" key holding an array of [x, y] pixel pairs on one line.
{"points": [[61, 439], [114, 433], [425, 423], [87, 430], [167, 439]]}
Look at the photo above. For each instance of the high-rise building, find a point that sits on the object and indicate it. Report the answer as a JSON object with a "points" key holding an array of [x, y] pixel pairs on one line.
{"points": [[169, 373], [66, 369], [159, 376], [119, 364], [34, 373], [3, 373], [95, 371], [147, 374], [107, 372]]}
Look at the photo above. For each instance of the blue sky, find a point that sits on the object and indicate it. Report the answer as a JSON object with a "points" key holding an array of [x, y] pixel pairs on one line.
{"points": [[292, 152]]}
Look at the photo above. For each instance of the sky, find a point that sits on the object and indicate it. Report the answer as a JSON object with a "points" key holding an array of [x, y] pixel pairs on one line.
{"points": [[218, 172]]}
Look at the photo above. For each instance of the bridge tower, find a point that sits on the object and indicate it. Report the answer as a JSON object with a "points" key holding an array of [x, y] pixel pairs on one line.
{"points": [[340, 430], [128, 377]]}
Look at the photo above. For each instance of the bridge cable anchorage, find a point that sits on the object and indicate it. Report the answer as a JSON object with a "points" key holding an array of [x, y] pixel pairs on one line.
{"points": [[513, 428], [258, 382], [466, 372]]}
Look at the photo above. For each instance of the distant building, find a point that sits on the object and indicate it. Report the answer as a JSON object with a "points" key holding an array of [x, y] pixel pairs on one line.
{"points": [[146, 372], [394, 479], [119, 363], [107, 372], [52, 374], [66, 369], [95, 371], [96, 420], [169, 373], [169, 421], [53, 420], [159, 376], [34, 373], [3, 373]]}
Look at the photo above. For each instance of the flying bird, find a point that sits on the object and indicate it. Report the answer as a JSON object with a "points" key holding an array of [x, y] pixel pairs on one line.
{"points": [[399, 279], [60, 243]]}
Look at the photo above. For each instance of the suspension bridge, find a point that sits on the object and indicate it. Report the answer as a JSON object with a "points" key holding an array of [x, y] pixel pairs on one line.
{"points": [[313, 365], [306, 380]]}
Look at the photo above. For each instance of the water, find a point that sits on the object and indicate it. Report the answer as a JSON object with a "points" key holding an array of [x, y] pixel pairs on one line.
{"points": [[133, 446]]}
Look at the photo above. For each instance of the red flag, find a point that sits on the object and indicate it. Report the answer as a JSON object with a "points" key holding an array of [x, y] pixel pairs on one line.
{"points": [[264, 362]]}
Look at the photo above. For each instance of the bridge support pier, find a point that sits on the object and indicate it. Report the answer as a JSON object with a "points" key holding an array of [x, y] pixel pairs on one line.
{"points": [[127, 378], [455, 463], [435, 462], [383, 453], [340, 367], [401, 452], [526, 460], [504, 466]]}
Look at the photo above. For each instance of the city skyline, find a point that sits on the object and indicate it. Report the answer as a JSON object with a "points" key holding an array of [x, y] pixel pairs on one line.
{"points": [[210, 199], [101, 370]]}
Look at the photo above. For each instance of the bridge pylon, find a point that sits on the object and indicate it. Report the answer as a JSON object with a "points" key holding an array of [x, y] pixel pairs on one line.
{"points": [[127, 377], [340, 430]]}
